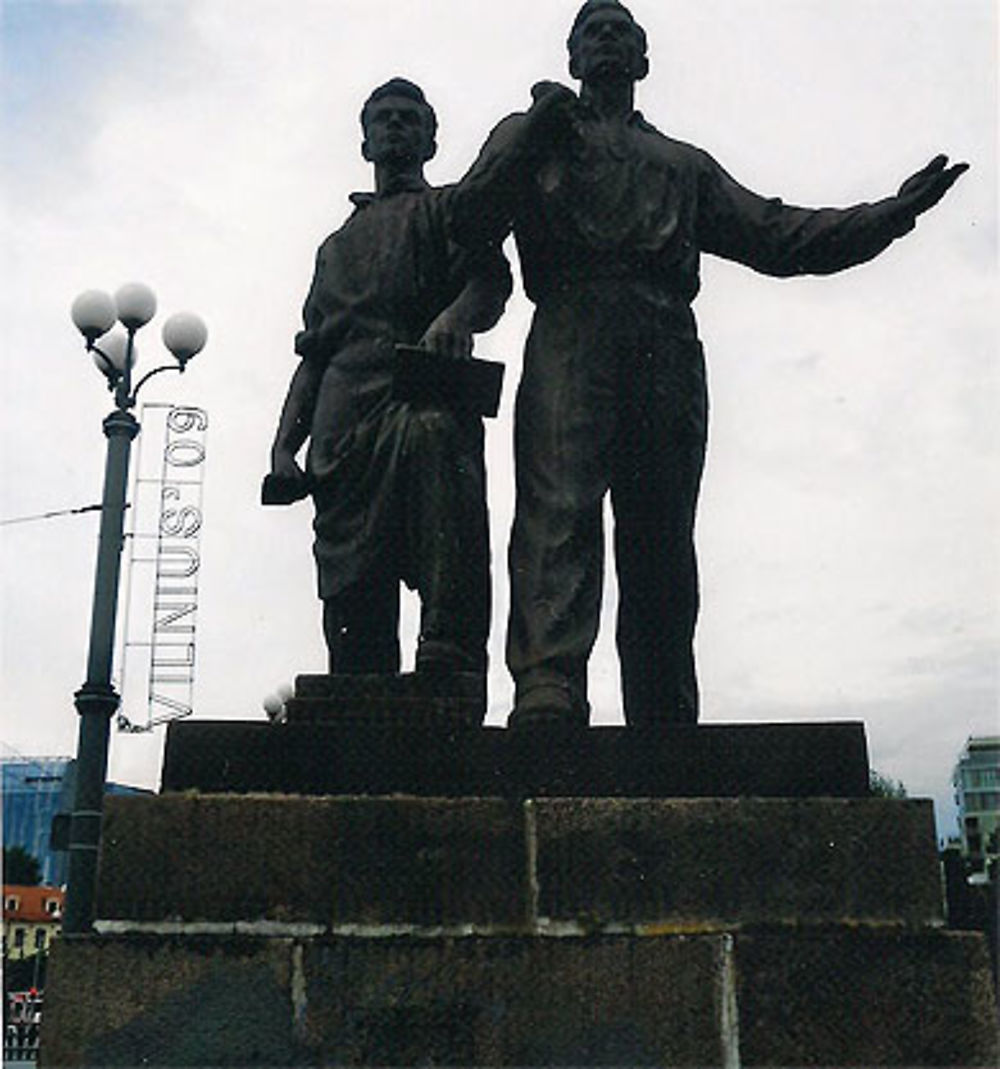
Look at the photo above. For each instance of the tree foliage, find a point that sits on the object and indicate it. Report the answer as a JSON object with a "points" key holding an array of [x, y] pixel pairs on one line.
{"points": [[884, 786], [20, 867]]}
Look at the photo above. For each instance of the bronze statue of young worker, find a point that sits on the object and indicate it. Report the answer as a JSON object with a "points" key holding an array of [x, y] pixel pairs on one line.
{"points": [[398, 488], [610, 218]]}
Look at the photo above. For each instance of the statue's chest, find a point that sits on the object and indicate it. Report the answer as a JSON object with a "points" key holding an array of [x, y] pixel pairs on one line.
{"points": [[609, 187]]}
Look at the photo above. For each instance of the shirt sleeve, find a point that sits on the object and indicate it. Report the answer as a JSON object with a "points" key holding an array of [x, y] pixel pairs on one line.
{"points": [[485, 201], [307, 340], [479, 273], [783, 240]]}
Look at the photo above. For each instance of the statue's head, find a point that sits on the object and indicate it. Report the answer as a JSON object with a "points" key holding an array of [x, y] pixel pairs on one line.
{"points": [[398, 124], [605, 41]]}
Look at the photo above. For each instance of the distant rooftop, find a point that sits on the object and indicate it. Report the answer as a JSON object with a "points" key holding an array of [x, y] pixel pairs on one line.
{"points": [[979, 746], [32, 905]]}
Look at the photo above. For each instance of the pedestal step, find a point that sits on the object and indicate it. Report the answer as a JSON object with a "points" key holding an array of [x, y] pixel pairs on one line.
{"points": [[576, 865], [852, 997], [373, 753], [414, 698]]}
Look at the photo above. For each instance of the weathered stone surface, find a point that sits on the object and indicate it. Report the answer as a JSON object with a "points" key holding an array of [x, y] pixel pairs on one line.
{"points": [[513, 1001], [730, 862], [130, 1001], [330, 861], [432, 701], [861, 997], [865, 997], [493, 863], [381, 756], [353, 688], [501, 1001]]}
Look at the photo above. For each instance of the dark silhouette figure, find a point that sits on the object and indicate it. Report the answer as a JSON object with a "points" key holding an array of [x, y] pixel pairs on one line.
{"points": [[399, 488], [610, 218]]}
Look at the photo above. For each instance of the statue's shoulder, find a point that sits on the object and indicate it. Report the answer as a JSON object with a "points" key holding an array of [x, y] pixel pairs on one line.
{"points": [[508, 131], [358, 204], [331, 239], [672, 150]]}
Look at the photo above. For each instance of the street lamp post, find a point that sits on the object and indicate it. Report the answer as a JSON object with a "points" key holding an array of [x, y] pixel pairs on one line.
{"points": [[94, 314]]}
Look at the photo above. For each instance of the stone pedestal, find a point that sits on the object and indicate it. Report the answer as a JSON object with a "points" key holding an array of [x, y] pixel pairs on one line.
{"points": [[368, 752], [256, 928], [840, 997]]}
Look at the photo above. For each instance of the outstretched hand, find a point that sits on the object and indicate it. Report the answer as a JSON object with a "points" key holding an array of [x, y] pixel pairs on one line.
{"points": [[925, 188]]}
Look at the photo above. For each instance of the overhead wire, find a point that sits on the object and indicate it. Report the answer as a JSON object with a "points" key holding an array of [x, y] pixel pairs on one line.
{"points": [[52, 515]]}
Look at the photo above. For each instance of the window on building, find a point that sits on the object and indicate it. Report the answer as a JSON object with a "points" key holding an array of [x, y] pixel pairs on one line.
{"points": [[40, 939], [19, 938], [11, 902], [52, 906], [982, 777]]}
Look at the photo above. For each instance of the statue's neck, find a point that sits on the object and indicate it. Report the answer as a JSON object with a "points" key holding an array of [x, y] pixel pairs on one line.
{"points": [[394, 176], [609, 99]]}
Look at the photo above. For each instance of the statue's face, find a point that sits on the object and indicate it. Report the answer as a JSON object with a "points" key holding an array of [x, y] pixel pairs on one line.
{"points": [[396, 130], [607, 45]]}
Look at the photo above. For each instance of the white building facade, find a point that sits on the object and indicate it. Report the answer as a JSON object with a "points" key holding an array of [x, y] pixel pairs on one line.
{"points": [[977, 792]]}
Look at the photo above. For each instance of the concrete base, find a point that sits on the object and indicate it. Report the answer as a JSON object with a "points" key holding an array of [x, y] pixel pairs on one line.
{"points": [[858, 997]]}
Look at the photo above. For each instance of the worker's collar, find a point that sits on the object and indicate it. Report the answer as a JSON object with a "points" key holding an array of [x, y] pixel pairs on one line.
{"points": [[404, 183], [585, 110]]}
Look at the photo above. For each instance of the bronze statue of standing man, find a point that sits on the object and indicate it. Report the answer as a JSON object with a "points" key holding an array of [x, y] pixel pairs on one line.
{"points": [[398, 488], [611, 218]]}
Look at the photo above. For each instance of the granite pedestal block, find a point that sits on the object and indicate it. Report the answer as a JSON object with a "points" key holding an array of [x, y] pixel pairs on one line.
{"points": [[397, 864], [360, 890], [368, 753], [852, 997], [454, 699]]}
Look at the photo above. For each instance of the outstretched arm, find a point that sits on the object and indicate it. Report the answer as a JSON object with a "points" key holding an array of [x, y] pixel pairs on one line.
{"points": [[780, 239]]}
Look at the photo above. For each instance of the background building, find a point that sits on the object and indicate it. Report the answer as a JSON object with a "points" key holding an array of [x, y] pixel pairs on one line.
{"points": [[32, 917], [977, 793], [34, 790]]}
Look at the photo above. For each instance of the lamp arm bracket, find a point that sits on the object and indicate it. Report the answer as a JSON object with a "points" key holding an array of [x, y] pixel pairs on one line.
{"points": [[149, 374], [109, 369]]}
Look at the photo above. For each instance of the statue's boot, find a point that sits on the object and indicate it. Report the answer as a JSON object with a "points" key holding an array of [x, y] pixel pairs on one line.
{"points": [[548, 704]]}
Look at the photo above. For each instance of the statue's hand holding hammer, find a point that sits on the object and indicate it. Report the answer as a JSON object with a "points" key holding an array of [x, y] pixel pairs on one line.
{"points": [[286, 482]]}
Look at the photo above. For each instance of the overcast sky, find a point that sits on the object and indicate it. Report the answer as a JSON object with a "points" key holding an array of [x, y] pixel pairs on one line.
{"points": [[849, 517]]}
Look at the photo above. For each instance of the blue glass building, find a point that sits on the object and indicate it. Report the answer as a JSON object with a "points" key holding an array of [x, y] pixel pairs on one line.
{"points": [[34, 790]]}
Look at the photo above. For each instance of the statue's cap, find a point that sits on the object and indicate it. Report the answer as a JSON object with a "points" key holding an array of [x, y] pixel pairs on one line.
{"points": [[588, 9], [401, 87]]}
